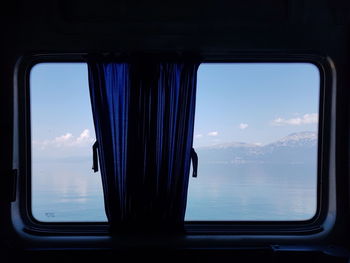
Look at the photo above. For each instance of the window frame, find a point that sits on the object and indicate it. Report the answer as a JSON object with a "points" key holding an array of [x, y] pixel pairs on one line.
{"points": [[322, 220]]}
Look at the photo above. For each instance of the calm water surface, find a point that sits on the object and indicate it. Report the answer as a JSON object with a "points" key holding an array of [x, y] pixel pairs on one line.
{"points": [[70, 191]]}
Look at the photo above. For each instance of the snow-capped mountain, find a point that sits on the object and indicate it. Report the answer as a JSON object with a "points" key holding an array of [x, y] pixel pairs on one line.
{"points": [[298, 147], [297, 139]]}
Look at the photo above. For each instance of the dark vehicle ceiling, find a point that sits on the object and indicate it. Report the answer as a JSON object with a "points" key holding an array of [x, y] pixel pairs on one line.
{"points": [[203, 26]]}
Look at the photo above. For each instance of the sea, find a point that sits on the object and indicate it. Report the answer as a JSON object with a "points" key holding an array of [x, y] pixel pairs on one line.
{"points": [[68, 191]]}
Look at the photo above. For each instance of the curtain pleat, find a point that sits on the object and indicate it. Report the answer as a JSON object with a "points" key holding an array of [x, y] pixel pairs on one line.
{"points": [[144, 119]]}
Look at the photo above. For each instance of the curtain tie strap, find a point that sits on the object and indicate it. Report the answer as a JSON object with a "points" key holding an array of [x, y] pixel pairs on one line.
{"points": [[94, 157], [194, 158]]}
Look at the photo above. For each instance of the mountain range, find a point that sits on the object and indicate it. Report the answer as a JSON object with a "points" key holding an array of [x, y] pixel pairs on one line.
{"points": [[296, 148]]}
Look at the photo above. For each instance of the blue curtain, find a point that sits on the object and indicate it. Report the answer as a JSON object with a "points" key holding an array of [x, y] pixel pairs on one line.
{"points": [[144, 117]]}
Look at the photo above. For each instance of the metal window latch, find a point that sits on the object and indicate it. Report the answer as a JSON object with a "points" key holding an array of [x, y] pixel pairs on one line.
{"points": [[194, 158], [95, 157]]}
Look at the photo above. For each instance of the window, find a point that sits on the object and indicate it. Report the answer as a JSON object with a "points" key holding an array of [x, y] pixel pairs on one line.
{"points": [[256, 135], [64, 187], [256, 131]]}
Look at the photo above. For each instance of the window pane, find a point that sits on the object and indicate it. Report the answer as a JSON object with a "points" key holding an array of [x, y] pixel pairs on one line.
{"points": [[256, 139], [64, 187], [255, 135]]}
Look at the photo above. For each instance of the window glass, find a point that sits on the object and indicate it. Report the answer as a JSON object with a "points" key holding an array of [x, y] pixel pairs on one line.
{"points": [[256, 139], [255, 135], [64, 187]]}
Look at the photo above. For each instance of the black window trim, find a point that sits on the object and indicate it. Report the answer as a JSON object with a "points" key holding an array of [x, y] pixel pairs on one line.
{"points": [[322, 221]]}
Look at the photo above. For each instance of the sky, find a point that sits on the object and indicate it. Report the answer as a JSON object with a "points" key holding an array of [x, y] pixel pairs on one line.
{"points": [[255, 102], [61, 116], [236, 102]]}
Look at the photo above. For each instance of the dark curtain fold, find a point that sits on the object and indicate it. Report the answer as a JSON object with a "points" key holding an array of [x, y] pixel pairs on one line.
{"points": [[144, 119]]}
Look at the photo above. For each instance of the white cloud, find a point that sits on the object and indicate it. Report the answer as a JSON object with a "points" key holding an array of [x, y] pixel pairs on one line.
{"points": [[308, 118], [67, 140], [63, 139], [84, 137], [213, 133], [197, 136], [243, 126]]}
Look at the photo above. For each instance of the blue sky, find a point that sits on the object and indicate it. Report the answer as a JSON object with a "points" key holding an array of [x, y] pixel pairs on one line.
{"points": [[61, 114], [244, 102], [255, 102]]}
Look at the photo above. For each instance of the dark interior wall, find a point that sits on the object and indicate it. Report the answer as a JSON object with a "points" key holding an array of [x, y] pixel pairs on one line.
{"points": [[213, 29], [204, 26]]}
